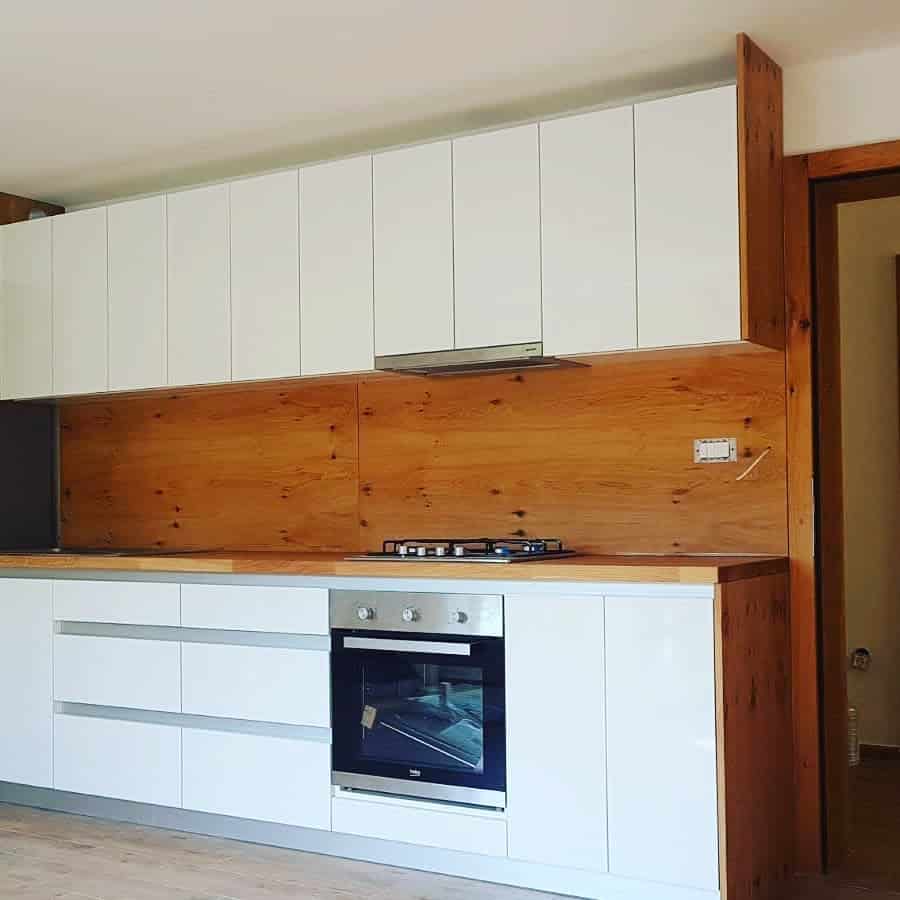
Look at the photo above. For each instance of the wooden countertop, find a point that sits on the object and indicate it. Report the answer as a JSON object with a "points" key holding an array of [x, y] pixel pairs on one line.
{"points": [[619, 568]]}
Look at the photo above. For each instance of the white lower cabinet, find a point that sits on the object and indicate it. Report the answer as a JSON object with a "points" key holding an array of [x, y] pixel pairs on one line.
{"points": [[26, 708], [125, 672], [117, 602], [661, 740], [556, 742], [272, 779], [265, 684], [420, 822], [125, 760]]}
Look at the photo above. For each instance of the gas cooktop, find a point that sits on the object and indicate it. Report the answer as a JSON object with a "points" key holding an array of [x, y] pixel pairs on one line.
{"points": [[493, 550]]}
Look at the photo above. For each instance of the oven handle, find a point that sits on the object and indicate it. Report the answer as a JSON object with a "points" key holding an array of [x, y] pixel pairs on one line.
{"points": [[401, 646]]}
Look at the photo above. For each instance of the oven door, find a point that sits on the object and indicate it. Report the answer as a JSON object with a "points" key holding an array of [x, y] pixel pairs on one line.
{"points": [[421, 716]]}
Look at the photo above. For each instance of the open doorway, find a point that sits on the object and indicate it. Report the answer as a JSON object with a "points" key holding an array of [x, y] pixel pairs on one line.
{"points": [[857, 408]]}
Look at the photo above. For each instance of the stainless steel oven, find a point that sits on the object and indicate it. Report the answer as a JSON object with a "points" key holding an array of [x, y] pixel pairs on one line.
{"points": [[418, 695]]}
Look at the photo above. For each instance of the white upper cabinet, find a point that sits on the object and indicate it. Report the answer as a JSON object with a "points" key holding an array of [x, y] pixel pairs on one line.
{"points": [[587, 222], [265, 277], [496, 204], [336, 282], [661, 740], [199, 315], [413, 197], [26, 707], [556, 738], [137, 294], [27, 353], [687, 219], [80, 302]]}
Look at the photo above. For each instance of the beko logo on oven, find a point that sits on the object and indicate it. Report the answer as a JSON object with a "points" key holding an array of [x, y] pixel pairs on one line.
{"points": [[415, 773]]}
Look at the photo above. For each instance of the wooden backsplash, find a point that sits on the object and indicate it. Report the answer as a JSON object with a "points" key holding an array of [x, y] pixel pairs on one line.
{"points": [[601, 457]]}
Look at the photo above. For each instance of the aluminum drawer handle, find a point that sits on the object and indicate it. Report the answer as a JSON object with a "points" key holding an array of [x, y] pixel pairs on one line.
{"points": [[445, 647]]}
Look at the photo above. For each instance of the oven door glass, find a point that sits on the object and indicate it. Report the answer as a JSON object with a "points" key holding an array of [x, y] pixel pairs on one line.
{"points": [[428, 710]]}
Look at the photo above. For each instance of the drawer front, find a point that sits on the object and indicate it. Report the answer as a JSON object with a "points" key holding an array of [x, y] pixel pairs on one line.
{"points": [[127, 760], [125, 672], [273, 609], [412, 823], [265, 684], [271, 779], [117, 602]]}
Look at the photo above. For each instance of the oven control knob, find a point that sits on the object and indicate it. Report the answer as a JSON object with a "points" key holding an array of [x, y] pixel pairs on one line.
{"points": [[365, 613], [410, 614], [458, 617]]}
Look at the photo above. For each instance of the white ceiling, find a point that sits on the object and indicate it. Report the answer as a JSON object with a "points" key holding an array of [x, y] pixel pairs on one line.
{"points": [[102, 98]]}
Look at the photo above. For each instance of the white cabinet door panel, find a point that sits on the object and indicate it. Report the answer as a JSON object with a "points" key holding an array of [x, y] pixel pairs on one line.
{"points": [[265, 277], [27, 332], [587, 223], [336, 283], [264, 684], [661, 740], [26, 702], [497, 239], [556, 746], [243, 608], [271, 779], [125, 760], [137, 294], [687, 219], [419, 822], [199, 314], [117, 602], [80, 302], [126, 672], [413, 203]]}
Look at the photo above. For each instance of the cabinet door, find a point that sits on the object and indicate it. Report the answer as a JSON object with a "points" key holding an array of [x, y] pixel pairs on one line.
{"points": [[661, 740], [27, 354], [126, 760], [271, 779], [336, 289], [137, 294], [265, 277], [262, 684], [556, 784], [587, 224], [687, 219], [26, 696], [496, 234], [80, 303], [127, 672], [199, 317], [413, 197]]}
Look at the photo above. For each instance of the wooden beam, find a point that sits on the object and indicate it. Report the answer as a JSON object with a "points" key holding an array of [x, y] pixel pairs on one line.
{"points": [[17, 209], [854, 160], [801, 518], [760, 161]]}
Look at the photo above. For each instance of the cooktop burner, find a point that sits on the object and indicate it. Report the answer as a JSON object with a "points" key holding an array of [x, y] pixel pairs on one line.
{"points": [[495, 550]]}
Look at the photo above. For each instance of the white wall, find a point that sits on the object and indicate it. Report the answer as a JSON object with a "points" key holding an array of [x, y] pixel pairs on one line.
{"points": [[869, 241], [842, 102]]}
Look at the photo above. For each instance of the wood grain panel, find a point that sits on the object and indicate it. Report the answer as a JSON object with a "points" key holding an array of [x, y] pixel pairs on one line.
{"points": [[760, 161], [17, 209], [855, 160], [237, 470], [801, 518], [755, 712], [600, 456]]}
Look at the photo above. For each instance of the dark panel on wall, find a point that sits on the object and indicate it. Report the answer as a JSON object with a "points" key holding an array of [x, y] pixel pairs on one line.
{"points": [[28, 514]]}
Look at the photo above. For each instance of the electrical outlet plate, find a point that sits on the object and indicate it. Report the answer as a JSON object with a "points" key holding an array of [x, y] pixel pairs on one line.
{"points": [[715, 450]]}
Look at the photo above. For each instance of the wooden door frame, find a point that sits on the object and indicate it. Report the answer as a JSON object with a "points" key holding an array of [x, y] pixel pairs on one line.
{"points": [[814, 184]]}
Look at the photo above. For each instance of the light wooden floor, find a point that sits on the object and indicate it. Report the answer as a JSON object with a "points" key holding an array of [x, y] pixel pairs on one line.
{"points": [[47, 855]]}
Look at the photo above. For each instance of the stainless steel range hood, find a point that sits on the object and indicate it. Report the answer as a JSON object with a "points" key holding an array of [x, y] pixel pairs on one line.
{"points": [[504, 358]]}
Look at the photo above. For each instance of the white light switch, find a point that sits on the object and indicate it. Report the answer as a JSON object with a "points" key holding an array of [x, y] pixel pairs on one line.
{"points": [[714, 450]]}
